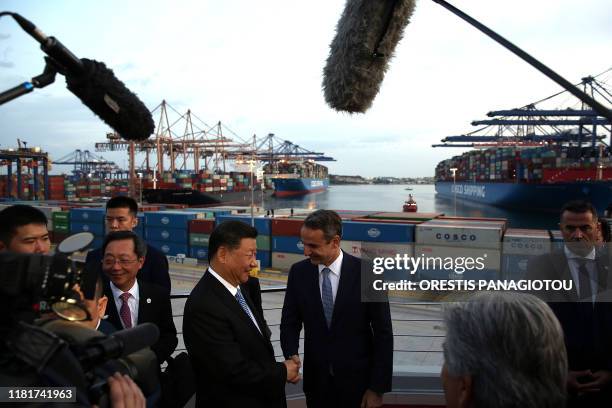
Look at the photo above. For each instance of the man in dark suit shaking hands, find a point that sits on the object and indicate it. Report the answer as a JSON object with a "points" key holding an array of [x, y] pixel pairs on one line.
{"points": [[348, 343], [226, 336]]}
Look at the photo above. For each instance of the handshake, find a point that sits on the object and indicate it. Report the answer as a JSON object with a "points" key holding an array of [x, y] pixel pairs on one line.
{"points": [[293, 365]]}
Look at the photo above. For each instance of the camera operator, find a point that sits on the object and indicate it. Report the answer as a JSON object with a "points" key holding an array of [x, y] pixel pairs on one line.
{"points": [[23, 229], [32, 356]]}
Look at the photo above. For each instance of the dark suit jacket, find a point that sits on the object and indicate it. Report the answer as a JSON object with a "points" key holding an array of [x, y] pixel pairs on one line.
{"points": [[158, 311], [587, 328], [357, 348], [254, 290], [154, 270], [233, 362]]}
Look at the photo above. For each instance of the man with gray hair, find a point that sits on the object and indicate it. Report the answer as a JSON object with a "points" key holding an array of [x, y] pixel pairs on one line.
{"points": [[503, 350]]}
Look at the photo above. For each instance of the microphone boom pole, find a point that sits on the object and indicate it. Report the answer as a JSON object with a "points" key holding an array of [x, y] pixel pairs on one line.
{"points": [[568, 86]]}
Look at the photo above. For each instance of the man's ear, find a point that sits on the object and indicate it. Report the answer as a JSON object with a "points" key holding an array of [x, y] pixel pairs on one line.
{"points": [[102, 302], [465, 391], [221, 255], [135, 221]]}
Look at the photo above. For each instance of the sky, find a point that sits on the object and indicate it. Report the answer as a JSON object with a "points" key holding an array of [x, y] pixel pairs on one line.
{"points": [[256, 66]]}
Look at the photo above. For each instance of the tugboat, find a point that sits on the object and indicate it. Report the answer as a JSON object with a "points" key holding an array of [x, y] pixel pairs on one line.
{"points": [[410, 205]]}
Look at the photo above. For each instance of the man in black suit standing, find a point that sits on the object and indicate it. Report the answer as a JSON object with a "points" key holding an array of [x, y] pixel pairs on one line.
{"points": [[121, 215], [133, 301], [348, 343], [226, 336], [585, 312]]}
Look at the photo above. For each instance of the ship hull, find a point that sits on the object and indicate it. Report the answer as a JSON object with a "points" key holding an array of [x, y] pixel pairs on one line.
{"points": [[196, 198], [533, 197], [291, 187]]}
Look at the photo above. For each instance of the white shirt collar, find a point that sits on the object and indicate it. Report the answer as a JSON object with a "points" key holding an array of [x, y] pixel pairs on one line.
{"points": [[133, 291], [570, 255], [335, 266], [232, 289]]}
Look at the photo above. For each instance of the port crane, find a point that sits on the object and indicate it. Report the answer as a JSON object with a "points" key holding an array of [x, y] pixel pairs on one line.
{"points": [[86, 163]]}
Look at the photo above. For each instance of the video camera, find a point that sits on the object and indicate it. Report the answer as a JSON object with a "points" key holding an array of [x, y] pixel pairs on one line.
{"points": [[42, 345]]}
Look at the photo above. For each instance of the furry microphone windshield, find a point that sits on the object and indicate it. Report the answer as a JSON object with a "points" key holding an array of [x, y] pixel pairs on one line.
{"points": [[366, 37], [112, 101]]}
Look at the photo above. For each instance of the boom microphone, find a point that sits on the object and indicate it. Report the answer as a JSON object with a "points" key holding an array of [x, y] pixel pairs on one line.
{"points": [[97, 87], [366, 36]]}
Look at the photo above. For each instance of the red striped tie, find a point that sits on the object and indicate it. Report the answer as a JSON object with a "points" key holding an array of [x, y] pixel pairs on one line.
{"points": [[125, 314]]}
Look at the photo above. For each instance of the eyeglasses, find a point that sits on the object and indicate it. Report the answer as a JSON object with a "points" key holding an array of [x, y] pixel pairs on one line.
{"points": [[110, 261]]}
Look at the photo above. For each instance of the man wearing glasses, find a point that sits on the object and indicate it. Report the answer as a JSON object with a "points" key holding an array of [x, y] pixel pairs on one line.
{"points": [[134, 301], [121, 215]]}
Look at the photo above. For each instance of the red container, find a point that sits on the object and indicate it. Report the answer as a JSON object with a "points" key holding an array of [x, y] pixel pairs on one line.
{"points": [[201, 226], [288, 227]]}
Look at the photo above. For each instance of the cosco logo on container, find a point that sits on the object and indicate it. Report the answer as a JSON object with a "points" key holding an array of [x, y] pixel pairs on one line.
{"points": [[300, 245], [165, 220], [85, 215], [201, 253], [373, 232], [165, 234], [456, 237], [85, 227], [165, 248]]}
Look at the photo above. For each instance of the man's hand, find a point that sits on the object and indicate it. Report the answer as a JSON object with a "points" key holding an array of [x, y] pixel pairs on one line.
{"points": [[297, 360], [371, 399], [293, 371], [124, 393], [600, 379], [572, 379]]}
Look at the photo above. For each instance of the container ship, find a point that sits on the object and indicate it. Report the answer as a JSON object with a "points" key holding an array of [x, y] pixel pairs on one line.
{"points": [[569, 158], [297, 178]]}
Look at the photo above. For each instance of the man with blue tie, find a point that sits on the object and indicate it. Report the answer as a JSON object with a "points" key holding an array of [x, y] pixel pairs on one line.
{"points": [[226, 335], [348, 343], [585, 312]]}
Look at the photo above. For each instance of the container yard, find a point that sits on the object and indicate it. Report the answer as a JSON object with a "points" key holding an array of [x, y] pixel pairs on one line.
{"points": [[184, 233]]}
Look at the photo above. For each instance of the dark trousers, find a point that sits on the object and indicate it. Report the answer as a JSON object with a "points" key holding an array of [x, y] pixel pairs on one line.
{"points": [[329, 396]]}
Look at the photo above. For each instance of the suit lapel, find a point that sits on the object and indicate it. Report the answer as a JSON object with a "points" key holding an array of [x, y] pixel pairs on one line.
{"points": [[111, 307], [144, 304], [562, 272], [348, 277], [259, 318], [231, 302]]}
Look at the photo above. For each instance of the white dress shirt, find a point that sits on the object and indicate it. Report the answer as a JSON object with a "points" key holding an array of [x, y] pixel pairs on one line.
{"points": [[334, 276], [132, 302], [233, 290], [574, 261]]}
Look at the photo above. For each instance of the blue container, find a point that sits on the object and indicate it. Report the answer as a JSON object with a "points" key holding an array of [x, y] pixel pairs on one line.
{"points": [[89, 215], [262, 225], [172, 219], [514, 266], [170, 248], [94, 228], [165, 234], [291, 245], [377, 232], [199, 252], [97, 243], [265, 259]]}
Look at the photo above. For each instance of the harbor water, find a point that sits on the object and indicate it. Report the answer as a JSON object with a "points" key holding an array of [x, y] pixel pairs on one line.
{"points": [[391, 197]]}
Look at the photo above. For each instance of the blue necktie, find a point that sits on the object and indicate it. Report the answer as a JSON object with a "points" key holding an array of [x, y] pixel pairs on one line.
{"points": [[246, 309], [327, 296]]}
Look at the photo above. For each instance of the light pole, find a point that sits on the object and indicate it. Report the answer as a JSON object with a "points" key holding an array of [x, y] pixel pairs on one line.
{"points": [[140, 187], [454, 171]]}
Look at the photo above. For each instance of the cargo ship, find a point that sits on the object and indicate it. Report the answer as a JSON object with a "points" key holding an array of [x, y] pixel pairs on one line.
{"points": [[569, 159], [292, 179]]}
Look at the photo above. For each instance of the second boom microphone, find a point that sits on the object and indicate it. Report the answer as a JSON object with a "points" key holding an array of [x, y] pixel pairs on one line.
{"points": [[366, 36]]}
